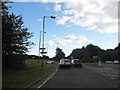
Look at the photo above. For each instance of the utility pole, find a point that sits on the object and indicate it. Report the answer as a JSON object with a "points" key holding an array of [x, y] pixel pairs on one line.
{"points": [[43, 36], [39, 46]]}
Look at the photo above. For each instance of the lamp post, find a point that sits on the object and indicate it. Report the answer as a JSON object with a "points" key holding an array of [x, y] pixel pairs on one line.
{"points": [[39, 44], [43, 35]]}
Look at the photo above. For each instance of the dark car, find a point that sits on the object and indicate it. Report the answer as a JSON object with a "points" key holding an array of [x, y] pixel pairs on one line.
{"points": [[64, 63], [76, 63]]}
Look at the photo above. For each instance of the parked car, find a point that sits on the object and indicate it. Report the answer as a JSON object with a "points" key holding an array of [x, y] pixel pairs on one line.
{"points": [[76, 63], [50, 62], [116, 62], [64, 63], [109, 62]]}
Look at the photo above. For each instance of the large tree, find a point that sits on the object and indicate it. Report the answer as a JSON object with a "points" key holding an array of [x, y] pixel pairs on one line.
{"points": [[59, 54], [87, 53], [15, 36]]}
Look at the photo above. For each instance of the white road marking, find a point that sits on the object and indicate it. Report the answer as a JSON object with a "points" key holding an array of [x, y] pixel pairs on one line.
{"points": [[102, 74], [48, 79], [112, 78]]}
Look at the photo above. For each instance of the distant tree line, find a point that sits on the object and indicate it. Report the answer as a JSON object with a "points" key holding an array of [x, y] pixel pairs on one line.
{"points": [[91, 53]]}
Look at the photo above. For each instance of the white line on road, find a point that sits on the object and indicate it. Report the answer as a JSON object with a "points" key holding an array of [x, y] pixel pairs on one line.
{"points": [[102, 74], [112, 78], [48, 79]]}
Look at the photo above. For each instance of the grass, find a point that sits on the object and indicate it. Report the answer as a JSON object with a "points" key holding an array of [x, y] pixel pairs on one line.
{"points": [[23, 79], [94, 64], [33, 63]]}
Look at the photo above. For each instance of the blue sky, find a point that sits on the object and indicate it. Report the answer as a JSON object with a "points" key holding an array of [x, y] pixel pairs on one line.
{"points": [[74, 27]]}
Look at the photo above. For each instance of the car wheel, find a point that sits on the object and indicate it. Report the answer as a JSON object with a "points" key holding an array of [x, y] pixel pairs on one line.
{"points": [[69, 67], [81, 66], [59, 67]]}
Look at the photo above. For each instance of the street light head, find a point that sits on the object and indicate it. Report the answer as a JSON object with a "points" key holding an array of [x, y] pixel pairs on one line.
{"points": [[53, 17]]}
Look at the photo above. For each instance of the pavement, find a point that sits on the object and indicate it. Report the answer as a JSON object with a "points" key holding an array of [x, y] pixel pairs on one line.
{"points": [[87, 77]]}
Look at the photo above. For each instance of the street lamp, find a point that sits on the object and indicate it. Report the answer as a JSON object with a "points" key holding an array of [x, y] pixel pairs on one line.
{"points": [[53, 17], [39, 44]]}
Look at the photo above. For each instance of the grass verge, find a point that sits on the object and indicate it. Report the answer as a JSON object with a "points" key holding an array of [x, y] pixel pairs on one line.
{"points": [[23, 79]]}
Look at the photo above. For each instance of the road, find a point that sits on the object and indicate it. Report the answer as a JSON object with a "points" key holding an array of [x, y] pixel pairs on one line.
{"points": [[86, 77]]}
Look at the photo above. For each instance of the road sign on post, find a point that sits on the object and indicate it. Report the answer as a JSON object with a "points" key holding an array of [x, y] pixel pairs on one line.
{"points": [[43, 48], [99, 64], [94, 57], [43, 52]]}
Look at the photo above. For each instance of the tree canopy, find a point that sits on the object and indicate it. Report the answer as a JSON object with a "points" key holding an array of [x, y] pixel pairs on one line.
{"points": [[88, 53], [59, 54], [15, 38]]}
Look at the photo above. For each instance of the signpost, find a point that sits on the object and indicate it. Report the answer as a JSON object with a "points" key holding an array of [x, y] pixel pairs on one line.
{"points": [[95, 57], [99, 62]]}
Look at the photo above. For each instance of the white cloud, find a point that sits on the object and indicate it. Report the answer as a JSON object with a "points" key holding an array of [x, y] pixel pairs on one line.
{"points": [[78, 39], [57, 7], [78, 46], [96, 15], [39, 19], [50, 43], [58, 1], [67, 40], [63, 20]]}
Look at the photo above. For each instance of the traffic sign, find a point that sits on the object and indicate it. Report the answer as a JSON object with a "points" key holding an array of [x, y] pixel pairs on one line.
{"points": [[95, 57], [43, 52], [42, 48]]}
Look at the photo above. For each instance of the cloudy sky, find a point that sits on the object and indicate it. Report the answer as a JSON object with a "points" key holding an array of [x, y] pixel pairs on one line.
{"points": [[78, 23]]}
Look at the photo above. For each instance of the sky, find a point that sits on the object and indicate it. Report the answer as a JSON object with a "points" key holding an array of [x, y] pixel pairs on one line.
{"points": [[77, 24]]}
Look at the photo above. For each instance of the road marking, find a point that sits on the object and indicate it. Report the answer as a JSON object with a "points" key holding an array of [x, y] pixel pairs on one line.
{"points": [[112, 78], [100, 77], [47, 79], [104, 74]]}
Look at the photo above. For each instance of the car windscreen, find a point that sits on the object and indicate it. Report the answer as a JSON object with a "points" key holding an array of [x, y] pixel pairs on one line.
{"points": [[77, 61], [62, 61], [67, 61]]}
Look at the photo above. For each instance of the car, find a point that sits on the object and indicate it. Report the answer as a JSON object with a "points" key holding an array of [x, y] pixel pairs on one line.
{"points": [[50, 62], [116, 62], [109, 62], [76, 63], [64, 63]]}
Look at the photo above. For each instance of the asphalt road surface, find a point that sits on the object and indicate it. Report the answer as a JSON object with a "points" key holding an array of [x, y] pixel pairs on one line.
{"points": [[86, 77]]}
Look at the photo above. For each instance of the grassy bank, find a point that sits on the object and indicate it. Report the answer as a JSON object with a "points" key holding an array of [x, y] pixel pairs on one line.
{"points": [[96, 64], [26, 77]]}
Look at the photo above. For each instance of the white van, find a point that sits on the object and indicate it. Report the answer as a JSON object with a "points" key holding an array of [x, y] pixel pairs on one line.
{"points": [[116, 62]]}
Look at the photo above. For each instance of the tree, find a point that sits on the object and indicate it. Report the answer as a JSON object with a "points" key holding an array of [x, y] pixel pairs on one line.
{"points": [[15, 37], [87, 53], [59, 54], [117, 52]]}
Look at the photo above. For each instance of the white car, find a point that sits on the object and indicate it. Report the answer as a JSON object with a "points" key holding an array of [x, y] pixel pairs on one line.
{"points": [[64, 63], [109, 62], [50, 62], [116, 62]]}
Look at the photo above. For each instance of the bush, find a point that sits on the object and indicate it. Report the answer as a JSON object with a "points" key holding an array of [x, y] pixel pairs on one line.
{"points": [[13, 61]]}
